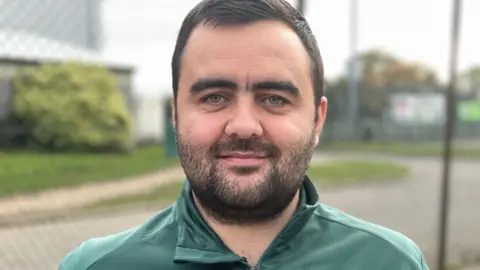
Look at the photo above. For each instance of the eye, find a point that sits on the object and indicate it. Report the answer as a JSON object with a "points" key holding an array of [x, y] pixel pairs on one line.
{"points": [[214, 99], [275, 101]]}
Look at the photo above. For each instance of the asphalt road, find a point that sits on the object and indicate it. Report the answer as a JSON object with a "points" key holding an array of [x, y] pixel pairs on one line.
{"points": [[409, 206]]}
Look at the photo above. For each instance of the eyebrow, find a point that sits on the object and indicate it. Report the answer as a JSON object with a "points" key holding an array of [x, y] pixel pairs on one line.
{"points": [[205, 84], [277, 85]]}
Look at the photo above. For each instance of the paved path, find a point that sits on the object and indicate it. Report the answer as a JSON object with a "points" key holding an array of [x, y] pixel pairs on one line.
{"points": [[66, 198], [409, 206]]}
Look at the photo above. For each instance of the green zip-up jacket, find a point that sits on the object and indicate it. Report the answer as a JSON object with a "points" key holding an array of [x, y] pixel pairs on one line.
{"points": [[318, 237]]}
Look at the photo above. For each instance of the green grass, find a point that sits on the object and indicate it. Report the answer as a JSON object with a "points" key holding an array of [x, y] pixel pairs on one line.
{"points": [[336, 173], [26, 172], [350, 172], [407, 149]]}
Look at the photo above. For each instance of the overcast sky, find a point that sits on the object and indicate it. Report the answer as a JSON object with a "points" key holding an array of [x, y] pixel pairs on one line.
{"points": [[143, 33]]}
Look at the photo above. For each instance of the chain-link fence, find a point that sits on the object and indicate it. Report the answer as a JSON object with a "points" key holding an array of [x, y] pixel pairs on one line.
{"points": [[400, 116]]}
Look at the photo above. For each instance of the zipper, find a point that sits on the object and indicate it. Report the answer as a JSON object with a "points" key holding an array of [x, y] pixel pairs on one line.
{"points": [[251, 266]]}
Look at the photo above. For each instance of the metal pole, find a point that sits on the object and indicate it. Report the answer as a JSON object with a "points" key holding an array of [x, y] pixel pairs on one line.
{"points": [[301, 6], [449, 133], [353, 66]]}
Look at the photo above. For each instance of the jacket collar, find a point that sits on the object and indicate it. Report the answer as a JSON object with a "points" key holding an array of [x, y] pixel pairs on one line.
{"points": [[197, 242]]}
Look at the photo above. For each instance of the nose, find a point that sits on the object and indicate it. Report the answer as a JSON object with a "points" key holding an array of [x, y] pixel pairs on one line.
{"points": [[244, 121]]}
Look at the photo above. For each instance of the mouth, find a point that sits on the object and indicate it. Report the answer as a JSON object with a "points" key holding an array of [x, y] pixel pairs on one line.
{"points": [[249, 159]]}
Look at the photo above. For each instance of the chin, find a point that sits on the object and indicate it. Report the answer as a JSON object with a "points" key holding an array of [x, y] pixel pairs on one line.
{"points": [[245, 177]]}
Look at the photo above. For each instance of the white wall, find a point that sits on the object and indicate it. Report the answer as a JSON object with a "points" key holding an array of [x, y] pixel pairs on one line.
{"points": [[150, 119]]}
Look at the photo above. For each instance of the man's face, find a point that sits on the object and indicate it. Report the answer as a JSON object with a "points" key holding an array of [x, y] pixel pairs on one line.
{"points": [[245, 119]]}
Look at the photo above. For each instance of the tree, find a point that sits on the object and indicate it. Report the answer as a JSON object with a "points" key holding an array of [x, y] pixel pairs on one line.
{"points": [[382, 69], [374, 64], [408, 74], [469, 80]]}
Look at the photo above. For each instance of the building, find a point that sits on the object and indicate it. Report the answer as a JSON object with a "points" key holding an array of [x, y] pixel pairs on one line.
{"points": [[151, 118], [74, 22]]}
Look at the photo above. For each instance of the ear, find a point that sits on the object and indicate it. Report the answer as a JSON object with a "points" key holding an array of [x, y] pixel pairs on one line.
{"points": [[321, 115], [174, 116]]}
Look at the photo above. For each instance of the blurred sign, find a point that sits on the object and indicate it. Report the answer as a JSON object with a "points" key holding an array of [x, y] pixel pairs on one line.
{"points": [[421, 108], [469, 111]]}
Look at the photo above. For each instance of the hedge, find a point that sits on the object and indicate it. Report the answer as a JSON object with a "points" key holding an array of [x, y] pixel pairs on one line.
{"points": [[72, 106]]}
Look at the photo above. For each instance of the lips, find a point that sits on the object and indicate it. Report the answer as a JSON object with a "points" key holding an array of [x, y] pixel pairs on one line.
{"points": [[246, 155], [243, 158]]}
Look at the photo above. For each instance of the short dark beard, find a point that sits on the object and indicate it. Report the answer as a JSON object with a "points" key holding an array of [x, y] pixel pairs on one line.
{"points": [[261, 204]]}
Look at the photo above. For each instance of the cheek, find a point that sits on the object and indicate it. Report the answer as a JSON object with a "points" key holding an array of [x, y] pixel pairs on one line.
{"points": [[201, 129], [287, 133]]}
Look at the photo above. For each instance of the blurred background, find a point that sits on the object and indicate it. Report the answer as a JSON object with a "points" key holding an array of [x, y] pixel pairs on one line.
{"points": [[87, 146]]}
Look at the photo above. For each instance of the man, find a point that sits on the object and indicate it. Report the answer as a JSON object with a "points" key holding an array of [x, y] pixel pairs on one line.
{"points": [[248, 111]]}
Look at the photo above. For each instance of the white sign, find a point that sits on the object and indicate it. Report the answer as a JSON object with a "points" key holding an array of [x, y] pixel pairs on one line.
{"points": [[423, 108]]}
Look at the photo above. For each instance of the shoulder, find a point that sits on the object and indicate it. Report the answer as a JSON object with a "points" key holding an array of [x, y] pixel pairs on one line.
{"points": [[392, 245], [84, 256]]}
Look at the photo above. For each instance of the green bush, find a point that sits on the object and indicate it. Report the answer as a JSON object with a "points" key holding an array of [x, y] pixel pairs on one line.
{"points": [[72, 106]]}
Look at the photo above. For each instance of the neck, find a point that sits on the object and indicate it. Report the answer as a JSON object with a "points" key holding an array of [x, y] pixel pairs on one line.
{"points": [[250, 241]]}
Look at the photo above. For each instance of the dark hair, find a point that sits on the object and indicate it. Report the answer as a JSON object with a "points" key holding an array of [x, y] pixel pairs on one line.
{"points": [[235, 12]]}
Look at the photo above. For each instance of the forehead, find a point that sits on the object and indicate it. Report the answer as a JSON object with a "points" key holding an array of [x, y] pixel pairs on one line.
{"points": [[255, 51]]}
